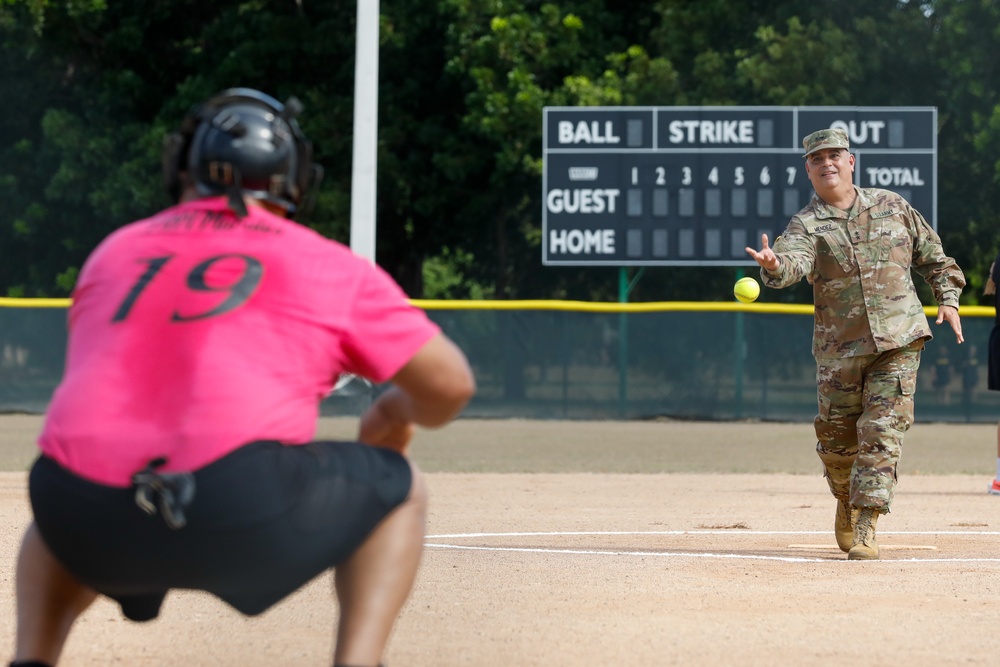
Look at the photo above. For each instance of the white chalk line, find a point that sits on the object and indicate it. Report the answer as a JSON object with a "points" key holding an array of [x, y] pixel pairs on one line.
{"points": [[672, 554], [589, 552], [733, 531]]}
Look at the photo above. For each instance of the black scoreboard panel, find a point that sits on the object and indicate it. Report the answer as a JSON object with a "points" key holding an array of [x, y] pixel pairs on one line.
{"points": [[696, 185]]}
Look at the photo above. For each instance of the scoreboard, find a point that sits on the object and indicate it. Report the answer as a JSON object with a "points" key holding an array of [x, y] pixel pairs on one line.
{"points": [[693, 186]]}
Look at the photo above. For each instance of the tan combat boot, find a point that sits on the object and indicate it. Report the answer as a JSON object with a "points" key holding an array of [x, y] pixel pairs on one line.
{"points": [[865, 547], [843, 525]]}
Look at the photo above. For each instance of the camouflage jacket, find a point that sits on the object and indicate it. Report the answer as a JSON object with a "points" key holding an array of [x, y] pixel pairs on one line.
{"points": [[859, 266]]}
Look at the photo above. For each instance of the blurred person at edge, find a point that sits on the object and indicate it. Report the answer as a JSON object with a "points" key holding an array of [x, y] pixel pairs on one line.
{"points": [[993, 357]]}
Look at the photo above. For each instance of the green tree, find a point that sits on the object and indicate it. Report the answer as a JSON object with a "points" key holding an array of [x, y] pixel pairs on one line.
{"points": [[969, 137], [103, 85], [95, 86]]}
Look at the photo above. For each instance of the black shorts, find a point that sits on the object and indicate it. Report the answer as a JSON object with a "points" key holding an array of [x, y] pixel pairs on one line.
{"points": [[264, 521], [993, 360]]}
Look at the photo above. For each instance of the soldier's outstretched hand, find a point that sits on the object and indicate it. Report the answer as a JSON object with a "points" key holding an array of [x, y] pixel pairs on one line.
{"points": [[766, 257], [950, 313]]}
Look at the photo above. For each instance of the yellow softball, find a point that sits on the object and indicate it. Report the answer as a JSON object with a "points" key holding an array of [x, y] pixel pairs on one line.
{"points": [[746, 290]]}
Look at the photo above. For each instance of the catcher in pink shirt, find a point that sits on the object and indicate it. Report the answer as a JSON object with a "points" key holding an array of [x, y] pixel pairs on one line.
{"points": [[201, 343]]}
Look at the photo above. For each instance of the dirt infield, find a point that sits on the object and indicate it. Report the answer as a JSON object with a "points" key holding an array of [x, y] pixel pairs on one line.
{"points": [[644, 543]]}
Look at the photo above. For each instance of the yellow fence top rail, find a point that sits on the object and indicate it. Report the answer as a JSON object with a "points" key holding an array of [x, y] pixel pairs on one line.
{"points": [[580, 306], [7, 302]]}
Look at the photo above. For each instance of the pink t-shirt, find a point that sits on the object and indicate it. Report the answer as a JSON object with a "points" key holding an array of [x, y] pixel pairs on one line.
{"points": [[194, 332]]}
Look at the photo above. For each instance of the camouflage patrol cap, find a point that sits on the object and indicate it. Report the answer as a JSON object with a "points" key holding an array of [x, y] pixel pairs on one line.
{"points": [[829, 138]]}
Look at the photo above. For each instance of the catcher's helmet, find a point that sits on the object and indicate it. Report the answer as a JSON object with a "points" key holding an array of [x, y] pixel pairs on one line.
{"points": [[242, 142]]}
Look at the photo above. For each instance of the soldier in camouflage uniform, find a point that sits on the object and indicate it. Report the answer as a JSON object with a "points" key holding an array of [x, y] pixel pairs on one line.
{"points": [[857, 246]]}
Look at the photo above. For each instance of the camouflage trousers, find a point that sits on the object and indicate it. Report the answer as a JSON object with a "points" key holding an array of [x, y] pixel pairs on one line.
{"points": [[865, 407]]}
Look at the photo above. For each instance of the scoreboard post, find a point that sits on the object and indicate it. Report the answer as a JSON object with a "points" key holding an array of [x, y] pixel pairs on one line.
{"points": [[675, 186]]}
